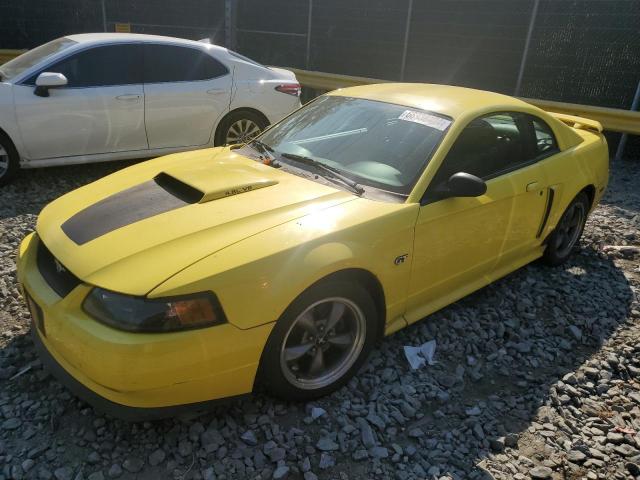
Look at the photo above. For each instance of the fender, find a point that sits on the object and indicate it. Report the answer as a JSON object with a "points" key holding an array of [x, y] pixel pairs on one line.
{"points": [[257, 278]]}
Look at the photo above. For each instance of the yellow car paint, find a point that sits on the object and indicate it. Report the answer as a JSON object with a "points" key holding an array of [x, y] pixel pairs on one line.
{"points": [[259, 237]]}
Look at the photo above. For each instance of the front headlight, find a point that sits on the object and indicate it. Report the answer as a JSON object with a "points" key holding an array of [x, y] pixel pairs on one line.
{"points": [[140, 314]]}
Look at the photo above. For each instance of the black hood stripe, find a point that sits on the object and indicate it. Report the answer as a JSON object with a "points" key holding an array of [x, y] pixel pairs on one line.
{"points": [[121, 209]]}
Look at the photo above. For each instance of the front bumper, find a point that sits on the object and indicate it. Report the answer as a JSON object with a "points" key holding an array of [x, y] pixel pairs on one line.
{"points": [[134, 375]]}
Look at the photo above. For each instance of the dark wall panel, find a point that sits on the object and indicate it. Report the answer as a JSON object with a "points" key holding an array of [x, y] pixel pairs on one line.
{"points": [[27, 24], [585, 51], [273, 32], [468, 42], [358, 37]]}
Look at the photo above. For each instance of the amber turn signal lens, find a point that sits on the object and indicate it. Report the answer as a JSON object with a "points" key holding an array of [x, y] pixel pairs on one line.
{"points": [[195, 311]]}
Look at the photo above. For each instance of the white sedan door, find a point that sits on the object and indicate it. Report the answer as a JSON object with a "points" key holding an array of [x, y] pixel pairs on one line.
{"points": [[186, 92], [100, 110]]}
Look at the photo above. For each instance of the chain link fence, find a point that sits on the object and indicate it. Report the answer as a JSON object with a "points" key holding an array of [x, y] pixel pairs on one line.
{"points": [[579, 51]]}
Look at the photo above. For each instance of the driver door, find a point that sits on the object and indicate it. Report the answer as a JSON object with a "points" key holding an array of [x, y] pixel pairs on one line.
{"points": [[459, 241], [100, 110]]}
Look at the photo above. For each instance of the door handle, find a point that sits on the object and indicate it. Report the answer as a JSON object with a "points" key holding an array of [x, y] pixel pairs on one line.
{"points": [[532, 186], [128, 97], [216, 91]]}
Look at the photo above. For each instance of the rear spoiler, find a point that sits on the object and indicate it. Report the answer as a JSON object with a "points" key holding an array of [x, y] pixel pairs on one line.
{"points": [[579, 123]]}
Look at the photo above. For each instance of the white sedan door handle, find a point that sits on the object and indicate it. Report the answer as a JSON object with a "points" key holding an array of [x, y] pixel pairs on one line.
{"points": [[129, 97], [216, 91]]}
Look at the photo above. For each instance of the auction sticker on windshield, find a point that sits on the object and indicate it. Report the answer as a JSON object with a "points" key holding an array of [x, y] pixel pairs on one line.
{"points": [[425, 118]]}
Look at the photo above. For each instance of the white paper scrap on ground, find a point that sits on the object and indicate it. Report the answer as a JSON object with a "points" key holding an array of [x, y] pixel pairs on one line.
{"points": [[422, 355]]}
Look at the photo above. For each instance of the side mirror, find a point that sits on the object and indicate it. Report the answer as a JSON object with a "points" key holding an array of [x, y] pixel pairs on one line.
{"points": [[47, 80], [463, 184]]}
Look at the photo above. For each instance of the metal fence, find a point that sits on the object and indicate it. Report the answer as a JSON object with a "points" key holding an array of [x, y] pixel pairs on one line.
{"points": [[575, 51]]}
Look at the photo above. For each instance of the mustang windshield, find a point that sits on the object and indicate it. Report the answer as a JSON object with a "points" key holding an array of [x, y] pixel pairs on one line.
{"points": [[377, 144], [32, 57]]}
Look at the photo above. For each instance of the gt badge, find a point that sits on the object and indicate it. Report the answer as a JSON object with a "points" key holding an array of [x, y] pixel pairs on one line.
{"points": [[400, 259]]}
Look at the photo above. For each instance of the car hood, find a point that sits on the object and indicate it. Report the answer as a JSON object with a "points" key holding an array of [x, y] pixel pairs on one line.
{"points": [[131, 230]]}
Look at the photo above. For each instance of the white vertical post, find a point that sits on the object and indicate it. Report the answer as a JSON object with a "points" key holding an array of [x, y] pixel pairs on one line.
{"points": [[525, 53], [230, 24], [407, 27], [308, 55], [623, 139], [104, 15]]}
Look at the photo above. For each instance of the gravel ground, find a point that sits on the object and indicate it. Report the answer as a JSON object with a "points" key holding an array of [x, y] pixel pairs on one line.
{"points": [[536, 376]]}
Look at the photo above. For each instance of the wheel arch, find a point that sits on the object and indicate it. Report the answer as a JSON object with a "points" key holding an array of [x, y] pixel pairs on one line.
{"points": [[590, 191], [369, 281], [4, 133], [234, 111]]}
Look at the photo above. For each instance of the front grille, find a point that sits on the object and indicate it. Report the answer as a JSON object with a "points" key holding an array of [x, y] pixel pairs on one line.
{"points": [[61, 280]]}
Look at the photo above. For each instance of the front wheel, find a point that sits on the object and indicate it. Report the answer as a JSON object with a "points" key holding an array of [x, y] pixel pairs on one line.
{"points": [[568, 231], [320, 341], [9, 160]]}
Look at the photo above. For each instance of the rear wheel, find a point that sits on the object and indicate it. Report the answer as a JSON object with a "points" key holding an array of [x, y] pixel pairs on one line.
{"points": [[240, 127], [568, 231], [320, 341], [9, 160]]}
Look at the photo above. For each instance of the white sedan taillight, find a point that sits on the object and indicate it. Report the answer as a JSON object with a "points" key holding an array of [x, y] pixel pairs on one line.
{"points": [[290, 89]]}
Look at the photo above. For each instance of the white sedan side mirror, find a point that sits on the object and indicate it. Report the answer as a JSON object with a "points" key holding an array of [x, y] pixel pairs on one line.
{"points": [[47, 80]]}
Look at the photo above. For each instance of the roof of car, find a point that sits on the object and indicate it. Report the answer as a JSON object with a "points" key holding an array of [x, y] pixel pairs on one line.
{"points": [[136, 37], [444, 99]]}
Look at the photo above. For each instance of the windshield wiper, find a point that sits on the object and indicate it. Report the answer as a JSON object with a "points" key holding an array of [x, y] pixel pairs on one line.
{"points": [[265, 151], [331, 171]]}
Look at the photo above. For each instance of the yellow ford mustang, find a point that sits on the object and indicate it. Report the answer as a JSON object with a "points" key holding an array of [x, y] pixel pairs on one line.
{"points": [[195, 276]]}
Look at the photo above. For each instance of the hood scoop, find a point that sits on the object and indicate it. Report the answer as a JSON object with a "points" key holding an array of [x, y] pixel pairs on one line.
{"points": [[165, 192], [205, 185]]}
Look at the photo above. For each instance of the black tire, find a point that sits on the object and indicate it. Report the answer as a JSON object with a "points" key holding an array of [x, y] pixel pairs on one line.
{"points": [[9, 160], [562, 242], [231, 120], [273, 374]]}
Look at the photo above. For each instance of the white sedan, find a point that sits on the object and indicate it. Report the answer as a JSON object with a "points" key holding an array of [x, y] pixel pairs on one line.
{"points": [[109, 96]]}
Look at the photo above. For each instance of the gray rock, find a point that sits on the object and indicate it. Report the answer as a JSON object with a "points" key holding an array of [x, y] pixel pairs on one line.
{"points": [[133, 464], [96, 476], [11, 424], [156, 457], [540, 473], [115, 471], [63, 473], [249, 437], [360, 455], [576, 456], [379, 452], [325, 444], [366, 433], [310, 476], [326, 461], [281, 472], [27, 464], [317, 412]]}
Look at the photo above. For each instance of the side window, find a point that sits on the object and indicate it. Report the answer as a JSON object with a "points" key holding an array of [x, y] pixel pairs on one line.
{"points": [[102, 66], [169, 63], [487, 147], [545, 139]]}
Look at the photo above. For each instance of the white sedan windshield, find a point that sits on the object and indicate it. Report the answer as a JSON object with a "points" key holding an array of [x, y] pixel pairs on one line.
{"points": [[28, 59], [379, 144]]}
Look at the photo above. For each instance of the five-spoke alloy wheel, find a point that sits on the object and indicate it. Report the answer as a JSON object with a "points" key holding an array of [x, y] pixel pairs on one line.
{"points": [[320, 341], [323, 343], [568, 231]]}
